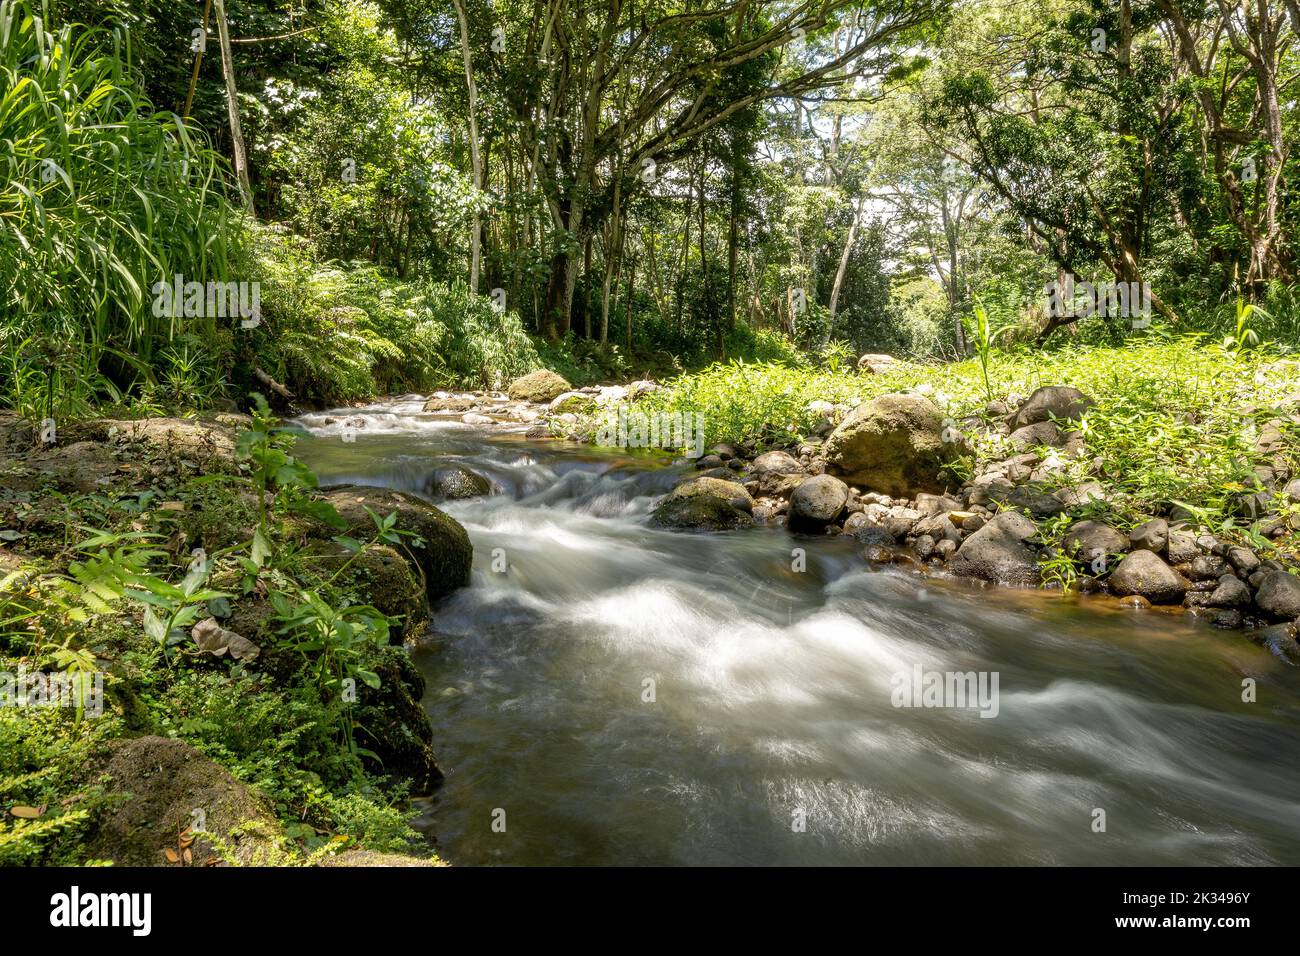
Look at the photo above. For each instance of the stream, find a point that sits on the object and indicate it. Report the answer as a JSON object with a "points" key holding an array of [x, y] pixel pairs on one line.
{"points": [[622, 696]]}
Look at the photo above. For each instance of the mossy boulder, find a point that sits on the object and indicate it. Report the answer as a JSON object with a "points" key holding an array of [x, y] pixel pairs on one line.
{"points": [[382, 577], [575, 402], [391, 722], [699, 512], [542, 385], [895, 444], [732, 492], [164, 787], [453, 482], [444, 557]]}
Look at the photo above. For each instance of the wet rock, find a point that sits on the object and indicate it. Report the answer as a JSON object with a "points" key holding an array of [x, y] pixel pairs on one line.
{"points": [[474, 418], [945, 549], [732, 492], [1000, 552], [925, 546], [1051, 401], [158, 783], [391, 721], [1151, 536], [1279, 595], [1088, 540], [443, 402], [1244, 560], [817, 502], [1181, 547], [542, 385], [537, 432], [1135, 601], [443, 555], [777, 473], [388, 580], [1281, 639], [1145, 574], [702, 512], [1230, 592], [892, 444], [708, 461], [453, 482]]}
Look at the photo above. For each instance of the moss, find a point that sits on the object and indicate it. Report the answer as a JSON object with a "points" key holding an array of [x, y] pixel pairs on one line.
{"points": [[161, 784], [542, 385]]}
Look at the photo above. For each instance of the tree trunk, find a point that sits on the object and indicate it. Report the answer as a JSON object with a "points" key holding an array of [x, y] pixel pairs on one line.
{"points": [[476, 161], [232, 108]]}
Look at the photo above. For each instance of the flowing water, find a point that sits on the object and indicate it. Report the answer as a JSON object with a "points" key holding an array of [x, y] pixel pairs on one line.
{"points": [[620, 695]]}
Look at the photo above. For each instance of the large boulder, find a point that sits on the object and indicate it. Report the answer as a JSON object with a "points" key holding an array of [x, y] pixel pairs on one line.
{"points": [[1279, 595], [1145, 574], [817, 502], [443, 555], [542, 385], [1000, 552], [1051, 401], [893, 444], [154, 786]]}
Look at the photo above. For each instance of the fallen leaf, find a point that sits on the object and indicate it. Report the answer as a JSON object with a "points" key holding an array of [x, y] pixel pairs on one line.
{"points": [[172, 506], [189, 857], [172, 855], [24, 813], [211, 638]]}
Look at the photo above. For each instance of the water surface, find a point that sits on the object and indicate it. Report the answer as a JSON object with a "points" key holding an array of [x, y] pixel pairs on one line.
{"points": [[772, 691]]}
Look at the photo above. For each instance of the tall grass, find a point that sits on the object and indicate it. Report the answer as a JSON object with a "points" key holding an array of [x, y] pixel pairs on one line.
{"points": [[101, 197]]}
